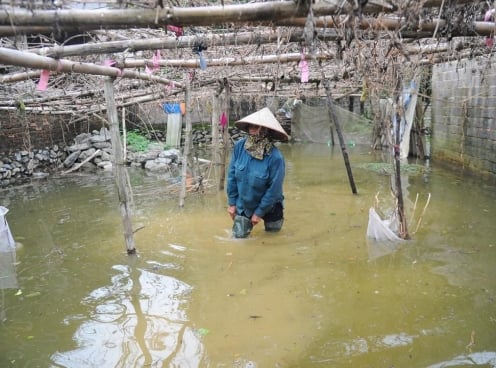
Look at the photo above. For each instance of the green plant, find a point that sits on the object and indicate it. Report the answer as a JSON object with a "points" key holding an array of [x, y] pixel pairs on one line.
{"points": [[137, 142]]}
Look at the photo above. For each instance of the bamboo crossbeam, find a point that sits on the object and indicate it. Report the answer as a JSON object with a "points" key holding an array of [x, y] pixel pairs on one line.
{"points": [[424, 29], [227, 61], [399, 24], [283, 13], [150, 18], [29, 60], [164, 43], [40, 62]]}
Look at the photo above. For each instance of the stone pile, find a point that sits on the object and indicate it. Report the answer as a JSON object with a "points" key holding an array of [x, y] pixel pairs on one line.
{"points": [[92, 152]]}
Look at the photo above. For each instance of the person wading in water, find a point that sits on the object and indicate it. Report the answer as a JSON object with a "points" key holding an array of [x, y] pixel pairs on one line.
{"points": [[256, 175]]}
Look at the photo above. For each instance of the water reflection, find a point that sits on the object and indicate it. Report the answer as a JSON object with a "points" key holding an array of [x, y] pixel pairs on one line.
{"points": [[484, 358], [137, 320]]}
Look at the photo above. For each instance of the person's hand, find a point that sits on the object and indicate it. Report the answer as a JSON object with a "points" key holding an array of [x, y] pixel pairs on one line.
{"points": [[231, 210], [255, 219]]}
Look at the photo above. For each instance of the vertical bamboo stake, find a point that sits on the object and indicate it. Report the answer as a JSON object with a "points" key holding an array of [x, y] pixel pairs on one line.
{"points": [[403, 232], [215, 127], [124, 132], [225, 137], [120, 172], [215, 131], [334, 119], [187, 140]]}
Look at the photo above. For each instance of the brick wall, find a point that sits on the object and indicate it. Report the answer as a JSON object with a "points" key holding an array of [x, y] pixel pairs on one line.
{"points": [[23, 131], [463, 115]]}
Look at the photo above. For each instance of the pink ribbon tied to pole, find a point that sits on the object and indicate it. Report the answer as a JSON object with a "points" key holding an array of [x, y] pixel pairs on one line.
{"points": [[43, 82], [177, 30], [111, 63], [223, 120], [155, 63], [489, 17]]}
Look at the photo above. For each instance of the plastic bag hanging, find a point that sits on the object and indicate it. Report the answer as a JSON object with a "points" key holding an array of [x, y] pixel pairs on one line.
{"points": [[199, 46], [203, 61]]}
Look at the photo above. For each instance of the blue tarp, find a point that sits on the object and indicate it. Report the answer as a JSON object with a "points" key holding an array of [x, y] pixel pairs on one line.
{"points": [[172, 108]]}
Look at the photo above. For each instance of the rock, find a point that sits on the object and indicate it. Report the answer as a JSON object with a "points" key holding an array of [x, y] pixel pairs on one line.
{"points": [[154, 166], [85, 154], [102, 145], [71, 159], [105, 165], [97, 139], [24, 164], [79, 147], [82, 138]]}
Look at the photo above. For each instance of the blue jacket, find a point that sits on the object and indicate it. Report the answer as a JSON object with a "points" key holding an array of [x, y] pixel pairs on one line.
{"points": [[253, 185]]}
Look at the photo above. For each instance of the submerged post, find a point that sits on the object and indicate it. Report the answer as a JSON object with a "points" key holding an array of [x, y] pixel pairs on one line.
{"points": [[120, 172], [187, 141], [334, 119], [403, 231]]}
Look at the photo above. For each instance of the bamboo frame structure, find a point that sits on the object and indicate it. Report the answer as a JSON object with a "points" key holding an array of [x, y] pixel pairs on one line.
{"points": [[247, 43]]}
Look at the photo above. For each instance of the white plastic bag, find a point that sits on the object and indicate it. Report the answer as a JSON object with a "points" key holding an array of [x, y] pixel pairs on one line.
{"points": [[381, 230]]}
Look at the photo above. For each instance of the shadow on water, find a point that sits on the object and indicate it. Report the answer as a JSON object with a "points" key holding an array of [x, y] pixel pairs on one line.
{"points": [[316, 294]]}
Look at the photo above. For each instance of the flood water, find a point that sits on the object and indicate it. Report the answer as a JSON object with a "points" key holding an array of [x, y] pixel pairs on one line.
{"points": [[317, 294]]}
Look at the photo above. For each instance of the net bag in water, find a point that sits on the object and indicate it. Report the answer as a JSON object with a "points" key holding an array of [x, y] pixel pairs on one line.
{"points": [[8, 279], [7, 243], [381, 230]]}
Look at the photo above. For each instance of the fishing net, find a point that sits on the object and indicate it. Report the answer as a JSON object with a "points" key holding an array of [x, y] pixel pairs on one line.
{"points": [[313, 124]]}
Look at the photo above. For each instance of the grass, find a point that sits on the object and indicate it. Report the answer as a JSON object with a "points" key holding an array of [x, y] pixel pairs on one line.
{"points": [[137, 142]]}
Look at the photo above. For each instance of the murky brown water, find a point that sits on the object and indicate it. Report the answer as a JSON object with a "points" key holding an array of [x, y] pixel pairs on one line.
{"points": [[316, 294]]}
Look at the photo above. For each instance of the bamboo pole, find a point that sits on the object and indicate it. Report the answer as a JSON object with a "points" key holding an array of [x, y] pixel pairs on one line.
{"points": [[187, 140], [124, 133], [121, 175], [182, 63], [284, 13], [189, 16], [29, 60], [403, 232], [334, 118], [150, 18], [398, 24], [216, 113], [74, 168], [173, 43], [226, 61], [225, 137]]}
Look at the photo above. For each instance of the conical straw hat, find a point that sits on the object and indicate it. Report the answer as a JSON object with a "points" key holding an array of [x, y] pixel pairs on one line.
{"points": [[266, 119]]}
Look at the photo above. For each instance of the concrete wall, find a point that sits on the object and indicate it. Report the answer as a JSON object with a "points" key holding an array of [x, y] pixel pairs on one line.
{"points": [[463, 115]]}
